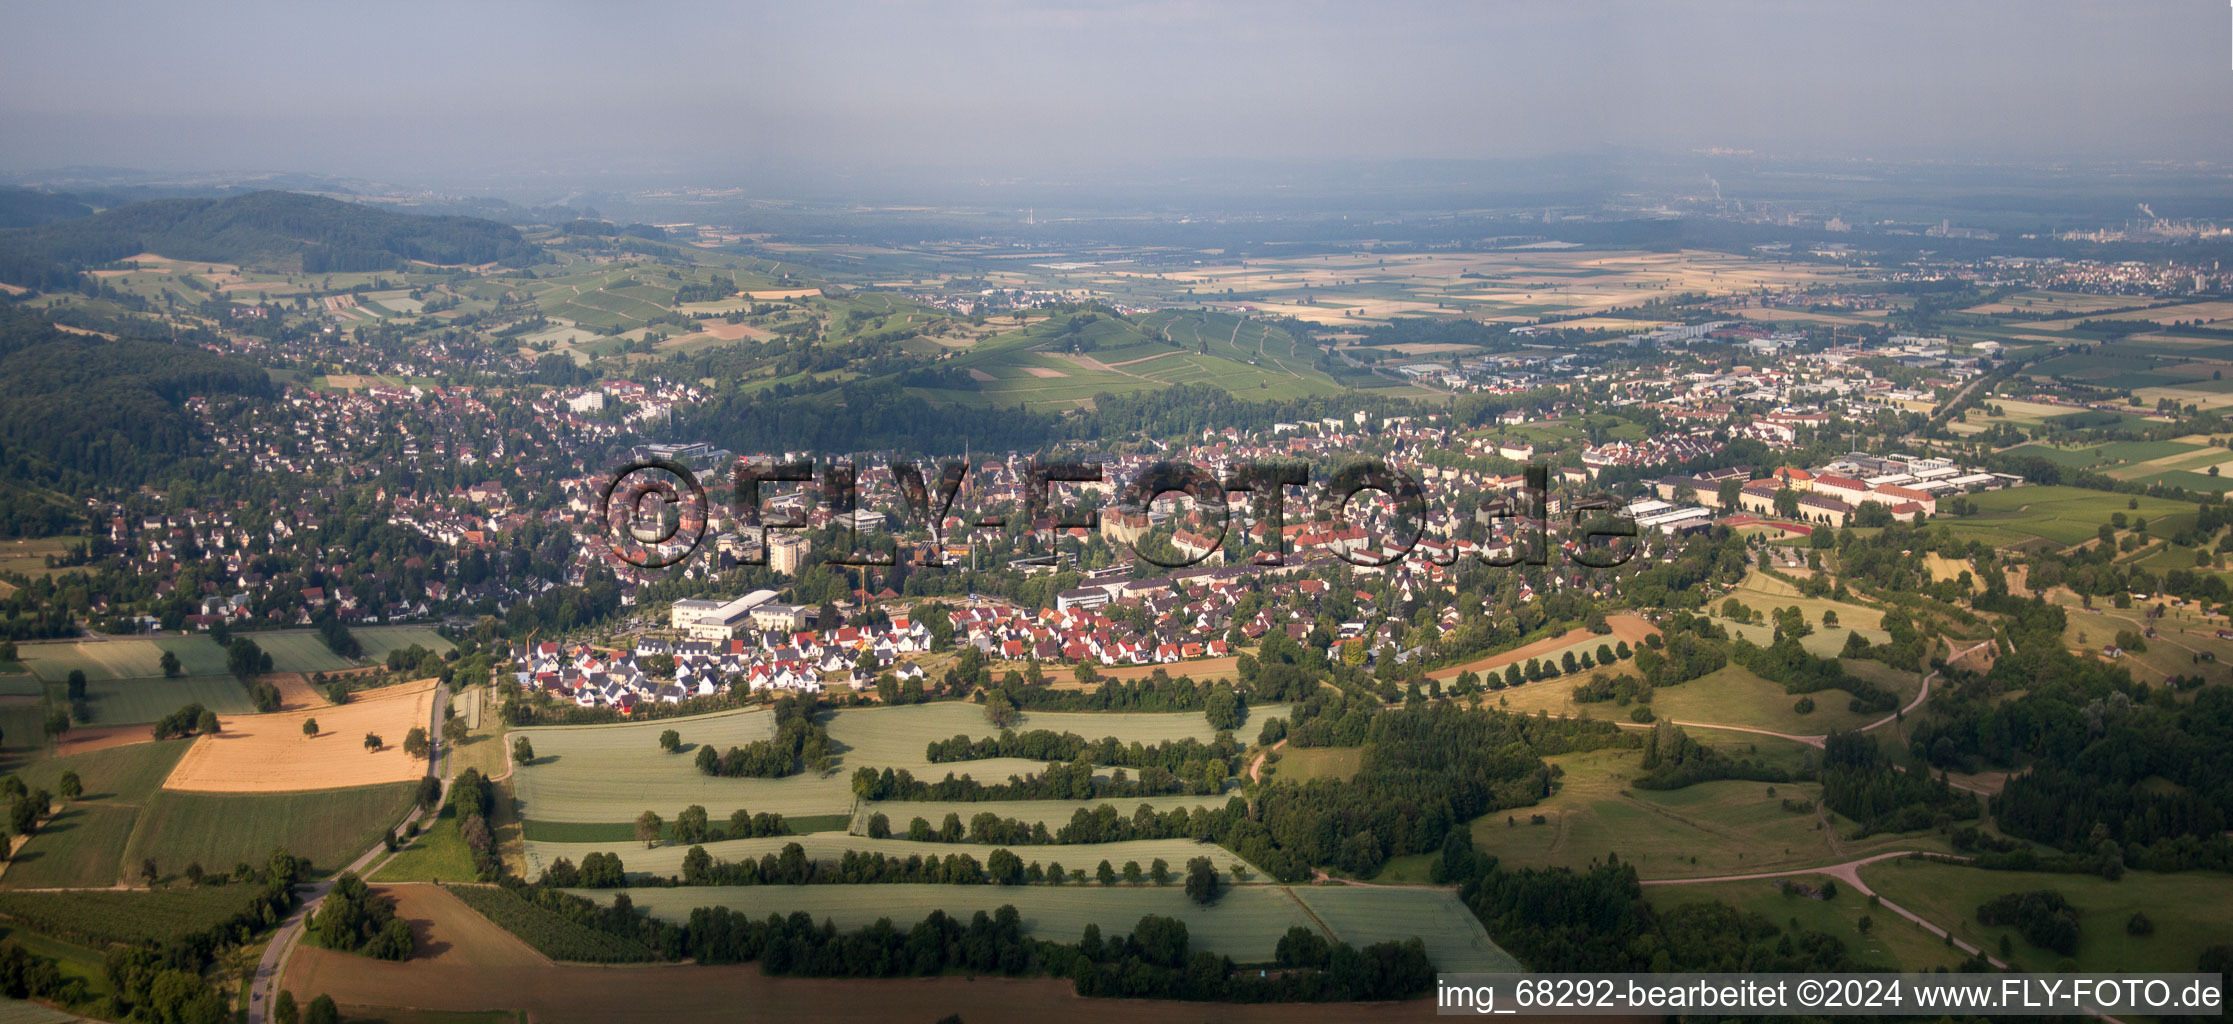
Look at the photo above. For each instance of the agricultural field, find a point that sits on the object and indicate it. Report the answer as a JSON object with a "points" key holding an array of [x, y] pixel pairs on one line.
{"points": [[1627, 628], [899, 735], [271, 754], [1048, 366], [379, 640], [1244, 924], [99, 918], [137, 701], [666, 858], [21, 1011], [123, 658], [611, 773], [1703, 830], [545, 935], [459, 979], [1054, 813], [2188, 911], [81, 845], [219, 830], [2062, 516], [300, 652], [1730, 695], [1361, 916], [2185, 462], [1892, 942]]}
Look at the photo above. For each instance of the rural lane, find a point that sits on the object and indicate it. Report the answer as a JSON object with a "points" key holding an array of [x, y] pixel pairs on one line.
{"points": [[265, 986], [1849, 873]]}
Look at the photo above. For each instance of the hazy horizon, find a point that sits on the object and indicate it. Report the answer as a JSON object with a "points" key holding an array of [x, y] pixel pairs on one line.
{"points": [[425, 93]]}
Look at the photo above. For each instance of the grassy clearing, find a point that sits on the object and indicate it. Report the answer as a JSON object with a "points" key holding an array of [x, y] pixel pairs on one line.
{"points": [[2188, 909], [218, 830], [1892, 942], [1302, 764], [666, 859], [438, 852]]}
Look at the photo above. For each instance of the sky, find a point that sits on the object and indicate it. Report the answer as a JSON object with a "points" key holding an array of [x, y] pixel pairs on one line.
{"points": [[426, 91]]}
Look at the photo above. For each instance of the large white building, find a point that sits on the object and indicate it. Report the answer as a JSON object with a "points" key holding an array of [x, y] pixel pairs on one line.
{"points": [[716, 620]]}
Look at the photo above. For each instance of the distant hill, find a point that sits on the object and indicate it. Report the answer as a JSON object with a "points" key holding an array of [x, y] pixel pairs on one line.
{"points": [[277, 231], [23, 208]]}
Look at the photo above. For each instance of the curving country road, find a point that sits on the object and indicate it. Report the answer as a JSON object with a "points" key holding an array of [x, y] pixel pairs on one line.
{"points": [[1849, 873], [264, 987]]}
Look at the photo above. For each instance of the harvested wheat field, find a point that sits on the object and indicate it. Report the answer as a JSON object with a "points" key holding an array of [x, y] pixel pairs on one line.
{"points": [[270, 754], [295, 692]]}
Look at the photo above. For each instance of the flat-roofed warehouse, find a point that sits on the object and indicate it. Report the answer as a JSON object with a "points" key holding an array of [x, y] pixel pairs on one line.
{"points": [[716, 620]]}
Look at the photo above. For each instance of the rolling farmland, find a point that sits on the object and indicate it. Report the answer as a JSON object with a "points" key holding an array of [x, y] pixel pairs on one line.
{"points": [[218, 830], [1361, 916], [82, 844], [611, 773]]}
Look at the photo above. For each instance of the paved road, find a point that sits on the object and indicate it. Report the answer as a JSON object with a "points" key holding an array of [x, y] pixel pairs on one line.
{"points": [[265, 986]]}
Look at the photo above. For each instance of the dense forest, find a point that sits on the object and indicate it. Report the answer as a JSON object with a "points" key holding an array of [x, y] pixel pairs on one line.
{"points": [[123, 423]]}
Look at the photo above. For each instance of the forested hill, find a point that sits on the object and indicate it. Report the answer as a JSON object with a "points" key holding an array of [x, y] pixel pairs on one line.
{"points": [[280, 231], [78, 411], [22, 208]]}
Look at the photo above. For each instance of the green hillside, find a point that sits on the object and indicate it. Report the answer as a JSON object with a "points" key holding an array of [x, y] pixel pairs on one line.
{"points": [[278, 231]]}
